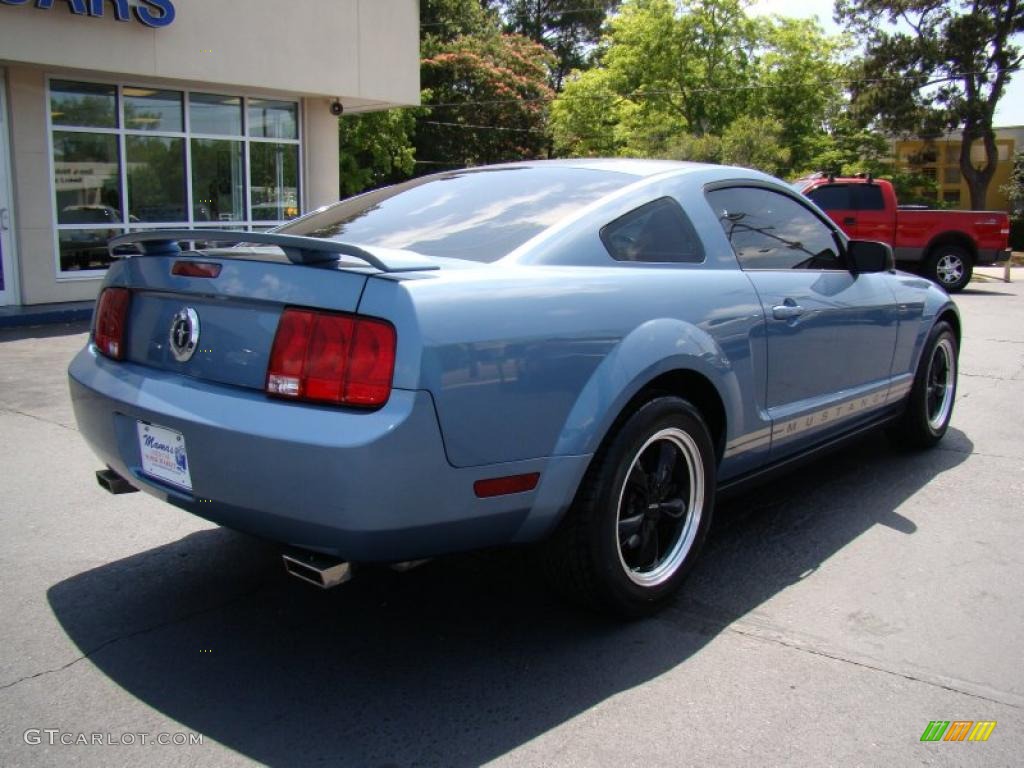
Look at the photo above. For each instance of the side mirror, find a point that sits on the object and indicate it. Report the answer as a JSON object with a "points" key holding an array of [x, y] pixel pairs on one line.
{"points": [[869, 256]]}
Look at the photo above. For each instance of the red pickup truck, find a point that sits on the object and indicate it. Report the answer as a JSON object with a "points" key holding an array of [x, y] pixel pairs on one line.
{"points": [[943, 245]]}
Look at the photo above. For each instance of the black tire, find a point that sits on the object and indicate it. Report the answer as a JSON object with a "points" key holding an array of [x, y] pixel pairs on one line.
{"points": [[608, 552], [930, 406], [950, 266]]}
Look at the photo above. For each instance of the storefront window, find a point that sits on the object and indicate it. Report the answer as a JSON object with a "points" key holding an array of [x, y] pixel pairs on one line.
{"points": [[87, 178], [83, 104], [273, 119], [218, 180], [125, 158], [156, 181], [148, 110], [275, 181], [210, 113]]}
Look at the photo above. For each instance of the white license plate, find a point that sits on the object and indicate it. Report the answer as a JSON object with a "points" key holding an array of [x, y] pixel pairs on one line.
{"points": [[163, 455]]}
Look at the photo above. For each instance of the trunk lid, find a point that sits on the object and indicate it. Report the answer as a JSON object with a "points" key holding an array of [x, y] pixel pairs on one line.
{"points": [[237, 311]]}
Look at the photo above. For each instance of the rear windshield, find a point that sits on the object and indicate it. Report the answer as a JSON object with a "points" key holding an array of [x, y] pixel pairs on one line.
{"points": [[475, 215]]}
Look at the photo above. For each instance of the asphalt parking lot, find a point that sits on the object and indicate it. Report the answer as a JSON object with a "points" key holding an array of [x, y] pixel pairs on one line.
{"points": [[834, 615]]}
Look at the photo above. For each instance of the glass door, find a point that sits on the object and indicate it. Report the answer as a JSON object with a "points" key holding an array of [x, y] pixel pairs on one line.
{"points": [[6, 219]]}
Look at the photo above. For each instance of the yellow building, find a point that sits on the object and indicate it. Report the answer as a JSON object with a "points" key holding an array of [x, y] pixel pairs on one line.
{"points": [[939, 159]]}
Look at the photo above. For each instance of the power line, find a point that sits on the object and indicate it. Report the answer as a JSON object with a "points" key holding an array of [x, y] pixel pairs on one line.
{"points": [[483, 127], [566, 12], [699, 90]]}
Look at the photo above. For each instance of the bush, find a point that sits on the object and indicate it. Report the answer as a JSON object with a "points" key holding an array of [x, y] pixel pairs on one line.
{"points": [[1017, 234]]}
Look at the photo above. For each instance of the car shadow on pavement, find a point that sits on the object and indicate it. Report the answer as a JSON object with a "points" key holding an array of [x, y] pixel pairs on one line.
{"points": [[456, 662]]}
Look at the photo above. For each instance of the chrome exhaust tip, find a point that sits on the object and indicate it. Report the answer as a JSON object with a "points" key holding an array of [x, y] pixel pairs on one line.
{"points": [[112, 482], [320, 570]]}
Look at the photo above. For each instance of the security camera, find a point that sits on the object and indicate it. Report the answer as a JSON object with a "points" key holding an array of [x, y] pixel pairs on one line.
{"points": [[336, 108]]}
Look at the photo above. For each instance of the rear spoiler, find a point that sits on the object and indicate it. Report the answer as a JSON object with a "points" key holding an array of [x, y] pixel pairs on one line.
{"points": [[298, 249]]}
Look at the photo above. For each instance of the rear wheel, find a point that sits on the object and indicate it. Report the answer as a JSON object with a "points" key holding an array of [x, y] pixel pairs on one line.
{"points": [[930, 406], [950, 266], [642, 513]]}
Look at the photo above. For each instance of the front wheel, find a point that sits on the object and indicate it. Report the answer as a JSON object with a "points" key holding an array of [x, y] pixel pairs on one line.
{"points": [[642, 513], [930, 406], [950, 266]]}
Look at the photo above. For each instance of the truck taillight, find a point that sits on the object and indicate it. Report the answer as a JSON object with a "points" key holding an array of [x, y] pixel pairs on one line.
{"points": [[332, 358], [111, 321]]}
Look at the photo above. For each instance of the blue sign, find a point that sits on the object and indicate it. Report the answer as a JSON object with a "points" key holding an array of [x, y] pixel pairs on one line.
{"points": [[152, 13]]}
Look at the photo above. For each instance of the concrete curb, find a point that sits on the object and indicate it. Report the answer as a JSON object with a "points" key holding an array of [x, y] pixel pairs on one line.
{"points": [[45, 314]]}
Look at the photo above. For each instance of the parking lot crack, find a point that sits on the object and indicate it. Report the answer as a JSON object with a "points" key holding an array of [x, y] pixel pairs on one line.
{"points": [[16, 412], [128, 636], [985, 376], [947, 686]]}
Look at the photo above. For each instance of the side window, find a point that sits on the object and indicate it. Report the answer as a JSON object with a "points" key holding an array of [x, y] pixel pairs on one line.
{"points": [[868, 197], [832, 197], [656, 232], [769, 230]]}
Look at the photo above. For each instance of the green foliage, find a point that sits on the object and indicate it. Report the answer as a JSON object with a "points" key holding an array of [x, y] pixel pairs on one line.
{"points": [[442, 21], [376, 149], [944, 67], [503, 79], [797, 77], [701, 79], [749, 142], [1014, 189], [567, 28]]}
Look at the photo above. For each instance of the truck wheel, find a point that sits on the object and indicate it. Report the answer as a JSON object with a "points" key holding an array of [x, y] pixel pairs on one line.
{"points": [[950, 266], [641, 515], [930, 406]]}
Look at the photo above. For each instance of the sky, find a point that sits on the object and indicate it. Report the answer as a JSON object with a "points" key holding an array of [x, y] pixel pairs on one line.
{"points": [[1009, 111]]}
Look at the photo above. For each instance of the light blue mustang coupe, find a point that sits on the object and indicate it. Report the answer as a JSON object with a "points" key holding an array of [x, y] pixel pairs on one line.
{"points": [[579, 353]]}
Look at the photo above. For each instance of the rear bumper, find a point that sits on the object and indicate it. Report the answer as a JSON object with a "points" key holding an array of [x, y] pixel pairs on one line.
{"points": [[993, 256], [364, 486]]}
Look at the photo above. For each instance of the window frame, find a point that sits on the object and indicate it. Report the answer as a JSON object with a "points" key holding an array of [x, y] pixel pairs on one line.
{"points": [[838, 236], [246, 224]]}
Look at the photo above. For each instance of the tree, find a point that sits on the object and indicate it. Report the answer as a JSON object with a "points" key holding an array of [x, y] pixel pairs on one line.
{"points": [[938, 65], [567, 28], [376, 149], [661, 73], [442, 21], [797, 82], [668, 71], [489, 98], [1014, 188]]}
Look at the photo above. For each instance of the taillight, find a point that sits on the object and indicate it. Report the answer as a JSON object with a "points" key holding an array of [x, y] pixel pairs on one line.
{"points": [[111, 320], [332, 358]]}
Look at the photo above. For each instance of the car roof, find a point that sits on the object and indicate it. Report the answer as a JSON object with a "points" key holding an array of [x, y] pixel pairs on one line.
{"points": [[638, 167]]}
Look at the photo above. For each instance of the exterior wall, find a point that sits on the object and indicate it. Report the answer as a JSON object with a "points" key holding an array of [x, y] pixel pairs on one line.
{"points": [[321, 155], [33, 201], [363, 52], [940, 159]]}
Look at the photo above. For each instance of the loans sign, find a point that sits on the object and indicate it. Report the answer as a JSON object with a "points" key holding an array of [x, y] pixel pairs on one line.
{"points": [[152, 13]]}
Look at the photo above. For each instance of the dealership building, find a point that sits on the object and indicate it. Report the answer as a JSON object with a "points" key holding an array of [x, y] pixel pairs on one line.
{"points": [[126, 115]]}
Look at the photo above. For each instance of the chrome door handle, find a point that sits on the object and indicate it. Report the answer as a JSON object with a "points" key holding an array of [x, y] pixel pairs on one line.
{"points": [[787, 311], [5, 219]]}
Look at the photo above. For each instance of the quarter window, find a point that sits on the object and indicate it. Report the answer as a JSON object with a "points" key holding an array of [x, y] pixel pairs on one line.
{"points": [[769, 230], [656, 232], [127, 158]]}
